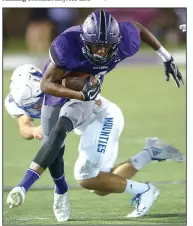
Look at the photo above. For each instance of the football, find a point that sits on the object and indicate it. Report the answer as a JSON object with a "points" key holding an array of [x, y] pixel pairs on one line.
{"points": [[76, 80]]}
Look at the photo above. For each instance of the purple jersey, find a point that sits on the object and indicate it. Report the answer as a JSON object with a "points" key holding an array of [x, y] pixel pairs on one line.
{"points": [[66, 53]]}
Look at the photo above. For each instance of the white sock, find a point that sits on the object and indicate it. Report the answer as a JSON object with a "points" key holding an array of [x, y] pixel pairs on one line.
{"points": [[135, 187], [141, 159]]}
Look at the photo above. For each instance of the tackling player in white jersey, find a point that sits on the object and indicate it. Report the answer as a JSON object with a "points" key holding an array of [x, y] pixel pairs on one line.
{"points": [[24, 102]]}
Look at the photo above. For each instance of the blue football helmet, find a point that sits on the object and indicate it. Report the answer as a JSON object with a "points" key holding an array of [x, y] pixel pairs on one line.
{"points": [[100, 29]]}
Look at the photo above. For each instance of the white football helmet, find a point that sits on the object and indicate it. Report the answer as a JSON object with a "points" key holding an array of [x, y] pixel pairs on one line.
{"points": [[25, 89]]}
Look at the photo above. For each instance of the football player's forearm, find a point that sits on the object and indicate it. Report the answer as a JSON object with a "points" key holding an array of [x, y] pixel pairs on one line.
{"points": [[26, 127], [59, 90], [51, 84], [148, 37], [151, 40], [27, 131]]}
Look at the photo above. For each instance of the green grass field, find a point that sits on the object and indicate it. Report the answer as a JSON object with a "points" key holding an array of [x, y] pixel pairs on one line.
{"points": [[151, 107]]}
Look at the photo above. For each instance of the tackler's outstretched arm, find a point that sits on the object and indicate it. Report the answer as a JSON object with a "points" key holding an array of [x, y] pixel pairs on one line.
{"points": [[28, 129]]}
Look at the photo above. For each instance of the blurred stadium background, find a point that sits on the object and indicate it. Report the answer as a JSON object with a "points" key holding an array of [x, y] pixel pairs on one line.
{"points": [[151, 107]]}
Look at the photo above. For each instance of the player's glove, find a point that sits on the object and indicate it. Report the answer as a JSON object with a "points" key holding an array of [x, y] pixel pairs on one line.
{"points": [[90, 90], [171, 68]]}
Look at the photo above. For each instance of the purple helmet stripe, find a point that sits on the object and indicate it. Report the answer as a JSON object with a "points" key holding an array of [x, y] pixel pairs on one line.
{"points": [[102, 26]]}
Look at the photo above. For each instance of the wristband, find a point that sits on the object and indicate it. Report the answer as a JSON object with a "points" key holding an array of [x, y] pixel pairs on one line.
{"points": [[164, 54]]}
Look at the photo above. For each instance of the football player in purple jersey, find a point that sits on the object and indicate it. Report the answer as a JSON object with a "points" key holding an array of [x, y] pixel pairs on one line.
{"points": [[95, 47]]}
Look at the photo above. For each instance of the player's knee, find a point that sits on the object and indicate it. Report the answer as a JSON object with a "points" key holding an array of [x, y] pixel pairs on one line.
{"points": [[62, 126], [84, 183], [89, 183], [100, 193]]}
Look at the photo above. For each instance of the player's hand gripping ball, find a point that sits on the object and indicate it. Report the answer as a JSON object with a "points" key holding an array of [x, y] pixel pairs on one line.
{"points": [[87, 84], [77, 80]]}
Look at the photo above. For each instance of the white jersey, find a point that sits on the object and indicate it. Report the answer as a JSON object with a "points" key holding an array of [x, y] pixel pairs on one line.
{"points": [[15, 111], [99, 143], [12, 107]]}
